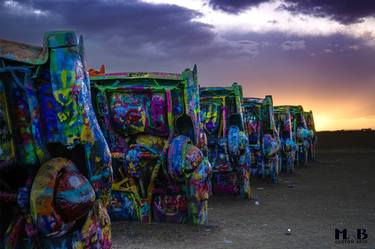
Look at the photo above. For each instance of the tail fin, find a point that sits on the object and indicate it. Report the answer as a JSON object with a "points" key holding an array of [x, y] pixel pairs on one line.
{"points": [[94, 72], [102, 69]]}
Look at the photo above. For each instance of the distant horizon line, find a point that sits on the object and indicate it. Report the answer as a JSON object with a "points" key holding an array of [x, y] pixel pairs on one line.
{"points": [[361, 130]]}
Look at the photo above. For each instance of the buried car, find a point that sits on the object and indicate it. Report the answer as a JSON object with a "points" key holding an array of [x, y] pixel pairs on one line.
{"points": [[228, 147], [288, 146], [301, 134], [152, 125], [55, 166], [309, 117], [263, 137]]}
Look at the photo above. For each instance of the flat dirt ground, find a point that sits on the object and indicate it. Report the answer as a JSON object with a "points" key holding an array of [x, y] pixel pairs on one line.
{"points": [[336, 191]]}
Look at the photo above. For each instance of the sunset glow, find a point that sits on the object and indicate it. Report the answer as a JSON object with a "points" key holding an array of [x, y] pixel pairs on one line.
{"points": [[318, 54]]}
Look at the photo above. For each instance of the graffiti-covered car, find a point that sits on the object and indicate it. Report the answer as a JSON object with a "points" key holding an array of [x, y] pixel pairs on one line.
{"points": [[263, 137], [152, 126], [284, 126], [309, 117], [301, 134], [55, 166], [228, 148]]}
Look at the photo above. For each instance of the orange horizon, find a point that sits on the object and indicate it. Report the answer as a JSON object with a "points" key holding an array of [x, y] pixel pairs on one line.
{"points": [[331, 113]]}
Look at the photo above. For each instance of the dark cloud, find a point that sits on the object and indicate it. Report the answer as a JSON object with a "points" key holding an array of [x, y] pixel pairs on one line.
{"points": [[124, 34], [344, 11], [129, 35], [234, 6]]}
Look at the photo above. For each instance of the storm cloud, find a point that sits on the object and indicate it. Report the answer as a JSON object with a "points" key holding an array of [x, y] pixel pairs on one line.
{"points": [[299, 60], [234, 6], [131, 30], [344, 11]]}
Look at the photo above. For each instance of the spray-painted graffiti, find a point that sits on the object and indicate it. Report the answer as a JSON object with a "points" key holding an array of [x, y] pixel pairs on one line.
{"points": [[152, 125], [301, 134], [288, 145], [54, 161], [309, 117], [228, 147], [263, 137]]}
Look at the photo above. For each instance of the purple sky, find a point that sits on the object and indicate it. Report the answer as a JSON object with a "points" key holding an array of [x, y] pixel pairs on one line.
{"points": [[316, 53]]}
